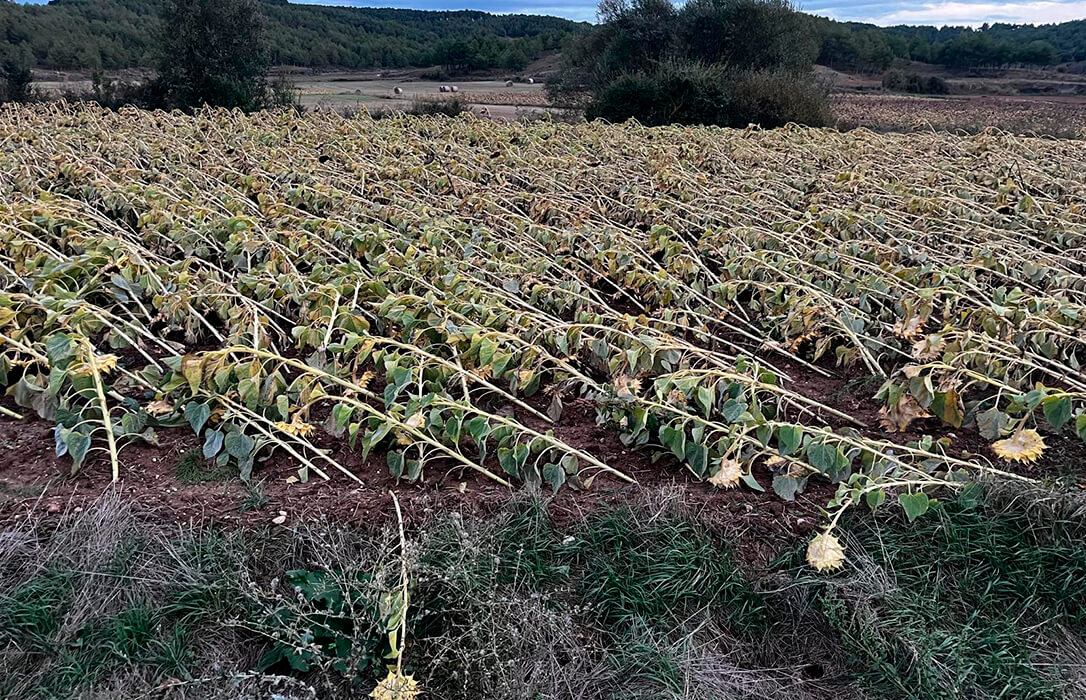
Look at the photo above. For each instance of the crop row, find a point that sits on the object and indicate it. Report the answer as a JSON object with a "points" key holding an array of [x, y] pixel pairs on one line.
{"points": [[437, 290]]}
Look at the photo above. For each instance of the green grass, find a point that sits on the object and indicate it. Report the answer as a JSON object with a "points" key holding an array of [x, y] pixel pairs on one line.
{"points": [[958, 603], [635, 601], [32, 613], [192, 468], [634, 572]]}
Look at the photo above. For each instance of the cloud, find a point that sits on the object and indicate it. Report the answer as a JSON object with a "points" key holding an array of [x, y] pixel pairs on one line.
{"points": [[956, 12]]}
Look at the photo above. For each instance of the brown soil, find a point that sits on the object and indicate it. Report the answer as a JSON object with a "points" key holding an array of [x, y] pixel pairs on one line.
{"points": [[34, 480]]}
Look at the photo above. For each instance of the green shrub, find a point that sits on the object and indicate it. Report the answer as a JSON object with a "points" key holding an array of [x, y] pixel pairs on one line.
{"points": [[16, 82], [772, 98], [914, 83], [679, 92], [716, 62], [675, 92], [425, 106]]}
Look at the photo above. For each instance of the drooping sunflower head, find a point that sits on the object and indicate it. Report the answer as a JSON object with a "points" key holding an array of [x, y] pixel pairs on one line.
{"points": [[825, 553], [1023, 446], [728, 475], [397, 686]]}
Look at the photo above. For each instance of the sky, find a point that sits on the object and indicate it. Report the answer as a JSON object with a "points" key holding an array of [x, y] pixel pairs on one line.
{"points": [[884, 12]]}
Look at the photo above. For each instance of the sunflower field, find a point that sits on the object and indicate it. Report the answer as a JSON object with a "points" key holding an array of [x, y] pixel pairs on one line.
{"points": [[438, 290]]}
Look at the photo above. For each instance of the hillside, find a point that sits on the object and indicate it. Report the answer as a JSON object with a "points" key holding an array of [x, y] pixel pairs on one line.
{"points": [[113, 34]]}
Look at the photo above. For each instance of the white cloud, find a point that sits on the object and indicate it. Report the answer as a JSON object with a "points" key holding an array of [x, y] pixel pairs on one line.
{"points": [[976, 13]]}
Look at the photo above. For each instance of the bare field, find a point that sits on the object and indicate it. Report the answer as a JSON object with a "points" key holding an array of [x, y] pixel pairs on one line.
{"points": [[346, 91], [1063, 117]]}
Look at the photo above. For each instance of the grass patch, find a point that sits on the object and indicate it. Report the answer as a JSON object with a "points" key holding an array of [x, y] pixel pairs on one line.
{"points": [[31, 614], [659, 571], [634, 602], [192, 468], [961, 602]]}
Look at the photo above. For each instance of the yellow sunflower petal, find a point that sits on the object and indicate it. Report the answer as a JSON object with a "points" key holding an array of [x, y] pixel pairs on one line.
{"points": [[1023, 446], [825, 552], [106, 363], [296, 426]]}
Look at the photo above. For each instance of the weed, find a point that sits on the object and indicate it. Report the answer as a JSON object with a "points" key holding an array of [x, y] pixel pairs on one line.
{"points": [[192, 468], [256, 497], [957, 603]]}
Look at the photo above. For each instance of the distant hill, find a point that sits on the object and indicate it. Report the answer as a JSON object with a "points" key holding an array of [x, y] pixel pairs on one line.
{"points": [[866, 47], [112, 34]]}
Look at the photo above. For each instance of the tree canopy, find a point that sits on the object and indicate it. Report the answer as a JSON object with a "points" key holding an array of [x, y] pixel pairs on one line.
{"points": [[720, 62], [113, 34]]}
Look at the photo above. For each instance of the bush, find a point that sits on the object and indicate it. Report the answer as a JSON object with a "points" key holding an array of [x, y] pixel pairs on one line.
{"points": [[937, 86], [772, 98], [722, 62], [694, 93], [425, 106], [215, 53], [422, 107], [15, 82], [914, 83], [689, 93]]}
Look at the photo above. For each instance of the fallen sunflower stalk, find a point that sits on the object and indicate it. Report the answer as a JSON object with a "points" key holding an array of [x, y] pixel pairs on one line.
{"points": [[439, 291]]}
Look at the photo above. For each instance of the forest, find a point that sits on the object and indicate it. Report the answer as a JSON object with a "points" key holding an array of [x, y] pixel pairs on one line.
{"points": [[867, 48], [115, 34]]}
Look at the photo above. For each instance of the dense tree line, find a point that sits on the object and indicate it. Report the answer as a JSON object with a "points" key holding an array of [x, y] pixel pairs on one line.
{"points": [[112, 34], [852, 46]]}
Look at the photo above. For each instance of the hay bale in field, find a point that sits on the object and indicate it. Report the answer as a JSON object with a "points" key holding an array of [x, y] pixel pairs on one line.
{"points": [[454, 88], [397, 91], [531, 81], [508, 83]]}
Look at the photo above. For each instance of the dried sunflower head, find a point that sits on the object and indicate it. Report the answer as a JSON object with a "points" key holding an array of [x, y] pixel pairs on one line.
{"points": [[676, 398], [825, 552], [397, 686], [909, 328], [929, 347], [296, 426], [1023, 446], [159, 408], [104, 364], [627, 387], [729, 474], [897, 418]]}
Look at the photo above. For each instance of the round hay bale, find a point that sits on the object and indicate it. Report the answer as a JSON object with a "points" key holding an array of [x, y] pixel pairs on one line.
{"points": [[508, 83], [397, 90]]}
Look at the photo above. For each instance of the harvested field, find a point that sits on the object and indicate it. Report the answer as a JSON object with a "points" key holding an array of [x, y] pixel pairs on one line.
{"points": [[1050, 116]]}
